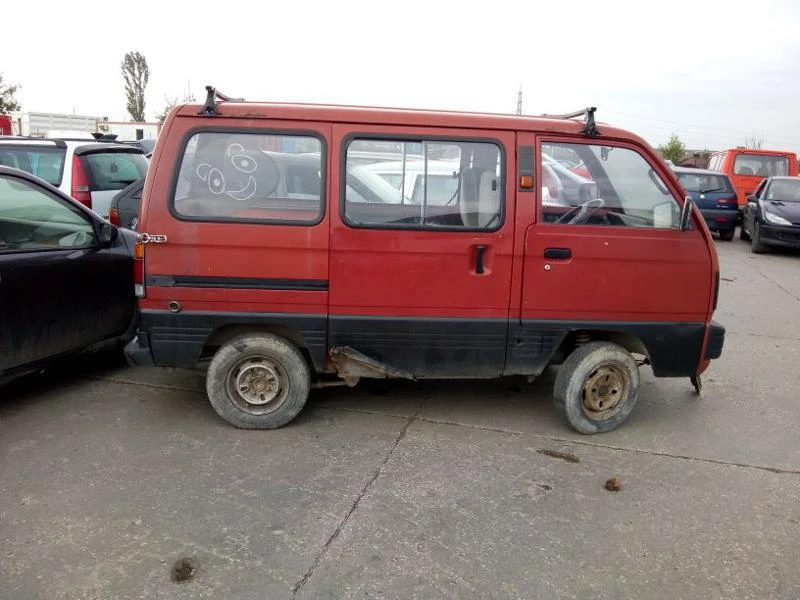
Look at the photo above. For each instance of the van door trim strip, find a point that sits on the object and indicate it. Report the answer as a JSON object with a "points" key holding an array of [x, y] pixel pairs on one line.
{"points": [[251, 283]]}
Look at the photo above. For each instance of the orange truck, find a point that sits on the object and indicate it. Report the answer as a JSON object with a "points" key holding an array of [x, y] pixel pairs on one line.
{"points": [[747, 167]]}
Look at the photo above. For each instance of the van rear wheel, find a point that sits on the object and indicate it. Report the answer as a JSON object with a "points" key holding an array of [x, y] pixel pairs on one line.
{"points": [[258, 381], [596, 388]]}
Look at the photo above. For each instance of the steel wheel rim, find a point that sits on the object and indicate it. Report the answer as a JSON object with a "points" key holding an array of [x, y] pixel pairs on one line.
{"points": [[603, 392], [257, 385]]}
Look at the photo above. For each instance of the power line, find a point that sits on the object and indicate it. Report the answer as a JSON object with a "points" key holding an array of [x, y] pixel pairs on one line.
{"points": [[730, 132]]}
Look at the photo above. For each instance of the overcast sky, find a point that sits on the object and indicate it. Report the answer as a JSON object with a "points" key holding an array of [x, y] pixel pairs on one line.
{"points": [[712, 72]]}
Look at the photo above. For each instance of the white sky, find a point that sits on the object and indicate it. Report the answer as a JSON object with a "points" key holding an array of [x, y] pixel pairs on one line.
{"points": [[712, 72]]}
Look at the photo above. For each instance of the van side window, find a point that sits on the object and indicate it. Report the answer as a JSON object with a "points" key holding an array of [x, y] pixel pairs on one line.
{"points": [[423, 184], [585, 184], [256, 177]]}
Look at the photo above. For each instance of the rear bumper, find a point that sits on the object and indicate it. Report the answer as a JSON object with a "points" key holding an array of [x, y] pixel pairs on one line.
{"points": [[780, 235], [720, 219], [716, 340], [137, 351]]}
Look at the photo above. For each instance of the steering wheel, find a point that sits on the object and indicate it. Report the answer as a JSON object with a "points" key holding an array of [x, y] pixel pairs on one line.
{"points": [[581, 214]]}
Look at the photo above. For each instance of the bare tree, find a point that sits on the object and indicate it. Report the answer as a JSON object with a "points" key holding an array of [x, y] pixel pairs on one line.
{"points": [[753, 142], [170, 103], [8, 100], [136, 74]]}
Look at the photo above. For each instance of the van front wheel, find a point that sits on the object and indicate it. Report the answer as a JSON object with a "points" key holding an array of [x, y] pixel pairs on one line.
{"points": [[258, 381], [596, 387]]}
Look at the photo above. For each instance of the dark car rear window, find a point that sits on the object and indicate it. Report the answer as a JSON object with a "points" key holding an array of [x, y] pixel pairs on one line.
{"points": [[702, 182], [46, 163], [114, 170]]}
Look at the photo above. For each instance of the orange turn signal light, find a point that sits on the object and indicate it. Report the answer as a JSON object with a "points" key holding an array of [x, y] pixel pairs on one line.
{"points": [[526, 182]]}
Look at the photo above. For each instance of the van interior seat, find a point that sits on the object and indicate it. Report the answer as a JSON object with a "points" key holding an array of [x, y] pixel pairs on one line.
{"points": [[488, 198], [479, 197], [746, 171]]}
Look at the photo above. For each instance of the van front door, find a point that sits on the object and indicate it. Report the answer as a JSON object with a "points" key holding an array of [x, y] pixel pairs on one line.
{"points": [[421, 281], [607, 254]]}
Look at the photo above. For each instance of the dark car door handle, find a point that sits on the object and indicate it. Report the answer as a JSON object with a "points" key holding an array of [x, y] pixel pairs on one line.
{"points": [[558, 253], [479, 252]]}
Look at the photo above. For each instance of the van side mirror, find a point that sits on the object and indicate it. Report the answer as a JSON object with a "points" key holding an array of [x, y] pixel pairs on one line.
{"points": [[686, 213]]}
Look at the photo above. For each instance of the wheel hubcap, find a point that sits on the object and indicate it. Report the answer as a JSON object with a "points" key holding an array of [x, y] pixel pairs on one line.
{"points": [[257, 385], [604, 389]]}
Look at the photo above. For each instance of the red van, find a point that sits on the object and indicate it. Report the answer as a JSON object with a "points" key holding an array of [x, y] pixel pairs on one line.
{"points": [[748, 167], [274, 251]]}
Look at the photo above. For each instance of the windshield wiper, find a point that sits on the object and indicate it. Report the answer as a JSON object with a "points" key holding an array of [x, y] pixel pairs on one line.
{"points": [[712, 190]]}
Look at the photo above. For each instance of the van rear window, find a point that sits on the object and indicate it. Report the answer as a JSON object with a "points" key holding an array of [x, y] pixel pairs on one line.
{"points": [[762, 165], [251, 177]]}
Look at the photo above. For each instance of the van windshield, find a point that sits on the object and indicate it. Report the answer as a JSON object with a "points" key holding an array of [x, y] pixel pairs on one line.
{"points": [[761, 165]]}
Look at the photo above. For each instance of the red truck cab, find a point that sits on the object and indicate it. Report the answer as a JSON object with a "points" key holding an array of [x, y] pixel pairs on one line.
{"points": [[274, 251]]}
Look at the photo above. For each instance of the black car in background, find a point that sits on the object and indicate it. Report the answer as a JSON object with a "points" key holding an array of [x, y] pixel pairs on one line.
{"points": [[66, 276], [772, 214], [124, 210]]}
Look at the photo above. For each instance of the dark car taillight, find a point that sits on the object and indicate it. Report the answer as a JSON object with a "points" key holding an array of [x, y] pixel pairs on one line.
{"points": [[80, 183], [138, 270], [113, 216]]}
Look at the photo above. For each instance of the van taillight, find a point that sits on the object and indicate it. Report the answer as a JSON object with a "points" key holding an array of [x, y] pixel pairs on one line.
{"points": [[80, 183], [138, 270], [113, 216]]}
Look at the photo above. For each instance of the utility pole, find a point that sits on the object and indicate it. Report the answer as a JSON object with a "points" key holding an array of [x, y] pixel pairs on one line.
{"points": [[519, 100]]}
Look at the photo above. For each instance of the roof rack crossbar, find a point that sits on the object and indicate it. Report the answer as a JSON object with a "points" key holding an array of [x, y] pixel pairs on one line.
{"points": [[210, 106], [590, 127]]}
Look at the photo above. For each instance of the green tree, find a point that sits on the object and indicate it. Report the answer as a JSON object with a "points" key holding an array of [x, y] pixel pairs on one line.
{"points": [[8, 100], [135, 74], [673, 150]]}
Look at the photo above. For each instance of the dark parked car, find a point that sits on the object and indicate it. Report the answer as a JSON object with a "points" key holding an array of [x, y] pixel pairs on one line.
{"points": [[124, 210], [772, 214], [66, 276], [714, 195]]}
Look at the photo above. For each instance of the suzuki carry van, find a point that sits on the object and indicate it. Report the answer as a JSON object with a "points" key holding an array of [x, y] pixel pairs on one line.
{"points": [[274, 251]]}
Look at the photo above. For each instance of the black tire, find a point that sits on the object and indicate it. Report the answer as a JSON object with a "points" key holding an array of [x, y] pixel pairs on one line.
{"points": [[756, 244], [258, 381], [609, 367], [727, 234], [743, 235]]}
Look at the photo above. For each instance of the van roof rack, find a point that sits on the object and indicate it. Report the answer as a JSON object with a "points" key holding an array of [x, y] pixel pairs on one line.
{"points": [[210, 107], [590, 127]]}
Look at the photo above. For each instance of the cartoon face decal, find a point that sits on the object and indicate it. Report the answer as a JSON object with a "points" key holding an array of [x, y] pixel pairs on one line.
{"points": [[240, 183]]}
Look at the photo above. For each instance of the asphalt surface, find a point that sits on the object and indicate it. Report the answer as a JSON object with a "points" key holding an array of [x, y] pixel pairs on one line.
{"points": [[109, 475]]}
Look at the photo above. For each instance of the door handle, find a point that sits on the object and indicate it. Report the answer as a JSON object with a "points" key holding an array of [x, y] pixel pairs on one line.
{"points": [[558, 252], [479, 252]]}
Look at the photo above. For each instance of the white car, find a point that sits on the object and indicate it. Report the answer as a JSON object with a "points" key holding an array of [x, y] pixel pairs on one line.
{"points": [[90, 171]]}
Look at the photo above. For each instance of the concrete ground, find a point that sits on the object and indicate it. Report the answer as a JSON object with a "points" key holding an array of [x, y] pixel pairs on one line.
{"points": [[110, 475]]}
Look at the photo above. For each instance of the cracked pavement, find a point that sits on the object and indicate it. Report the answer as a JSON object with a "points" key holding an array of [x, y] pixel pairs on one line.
{"points": [[417, 490]]}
